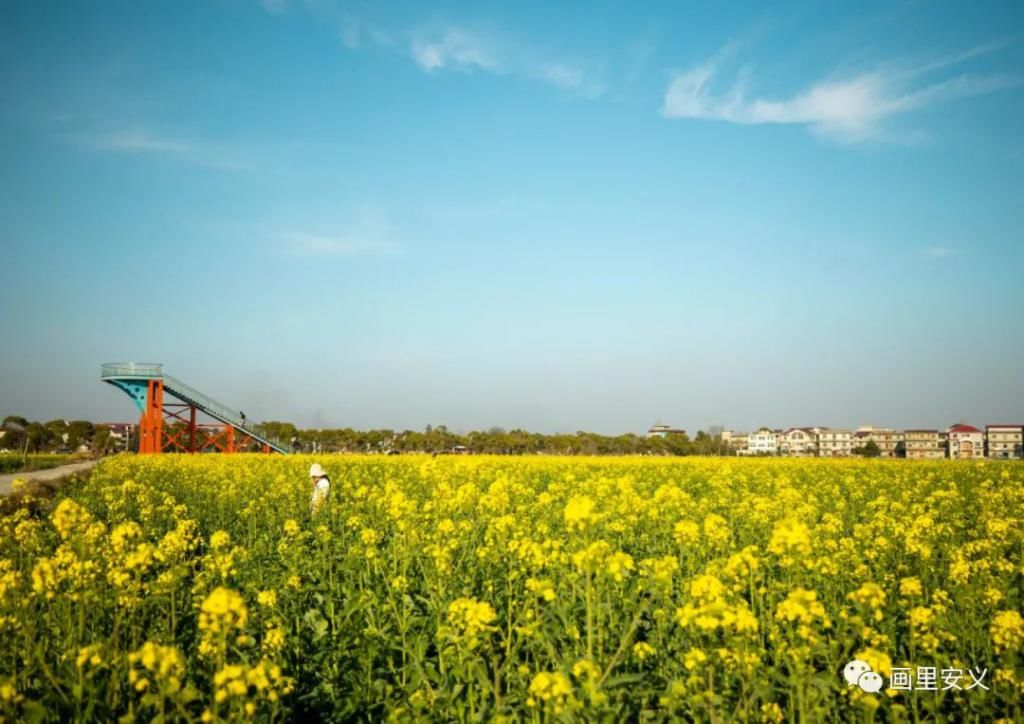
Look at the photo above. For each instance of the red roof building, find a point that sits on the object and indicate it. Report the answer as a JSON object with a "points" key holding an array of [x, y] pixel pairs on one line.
{"points": [[961, 427], [966, 442]]}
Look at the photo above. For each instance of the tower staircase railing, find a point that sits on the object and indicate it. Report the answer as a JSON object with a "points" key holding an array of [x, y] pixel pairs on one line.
{"points": [[131, 371]]}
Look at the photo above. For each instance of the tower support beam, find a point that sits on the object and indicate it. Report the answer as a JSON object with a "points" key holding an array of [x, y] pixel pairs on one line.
{"points": [[168, 414]]}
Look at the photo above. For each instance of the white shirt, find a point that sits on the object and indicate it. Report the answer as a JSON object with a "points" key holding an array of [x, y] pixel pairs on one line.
{"points": [[320, 492]]}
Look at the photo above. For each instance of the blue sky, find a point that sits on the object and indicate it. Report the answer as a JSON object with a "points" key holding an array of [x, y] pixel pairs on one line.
{"points": [[545, 215]]}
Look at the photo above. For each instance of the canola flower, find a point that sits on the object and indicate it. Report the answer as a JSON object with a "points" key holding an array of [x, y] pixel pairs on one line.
{"points": [[222, 611], [222, 614], [643, 650], [510, 588], [1007, 631], [551, 689], [579, 510], [165, 664], [470, 619]]}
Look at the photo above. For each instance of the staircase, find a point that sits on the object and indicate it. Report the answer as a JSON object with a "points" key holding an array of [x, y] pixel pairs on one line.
{"points": [[133, 379]]}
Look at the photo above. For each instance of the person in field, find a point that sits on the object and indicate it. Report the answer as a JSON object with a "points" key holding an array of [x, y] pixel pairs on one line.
{"points": [[321, 485]]}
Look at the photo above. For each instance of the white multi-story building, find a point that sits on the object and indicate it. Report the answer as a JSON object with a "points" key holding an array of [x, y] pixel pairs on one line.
{"points": [[1005, 441], [799, 442], [965, 442], [833, 443], [763, 442]]}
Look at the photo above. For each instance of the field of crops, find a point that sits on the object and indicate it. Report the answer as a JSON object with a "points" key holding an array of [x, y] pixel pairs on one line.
{"points": [[15, 462], [202, 587]]}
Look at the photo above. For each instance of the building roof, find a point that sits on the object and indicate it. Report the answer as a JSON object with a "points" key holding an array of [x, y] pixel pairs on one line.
{"points": [[1016, 427], [962, 428], [666, 429], [932, 432]]}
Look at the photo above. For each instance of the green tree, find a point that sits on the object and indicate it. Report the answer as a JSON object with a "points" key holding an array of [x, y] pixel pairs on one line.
{"points": [[102, 442], [39, 437], [15, 429], [79, 432], [278, 431], [58, 435]]}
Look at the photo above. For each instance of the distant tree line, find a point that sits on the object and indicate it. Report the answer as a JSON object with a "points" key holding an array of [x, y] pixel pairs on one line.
{"points": [[56, 436], [495, 440], [17, 434]]}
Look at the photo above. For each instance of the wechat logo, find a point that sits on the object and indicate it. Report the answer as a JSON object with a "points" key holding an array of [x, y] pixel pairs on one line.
{"points": [[858, 673]]}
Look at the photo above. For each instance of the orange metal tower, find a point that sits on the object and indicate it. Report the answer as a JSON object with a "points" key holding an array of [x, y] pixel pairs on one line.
{"points": [[169, 408]]}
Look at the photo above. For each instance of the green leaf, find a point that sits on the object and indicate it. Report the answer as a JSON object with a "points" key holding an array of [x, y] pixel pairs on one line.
{"points": [[33, 711], [622, 680]]}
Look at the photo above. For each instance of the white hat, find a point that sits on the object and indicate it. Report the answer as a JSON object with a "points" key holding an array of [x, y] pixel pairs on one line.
{"points": [[315, 471]]}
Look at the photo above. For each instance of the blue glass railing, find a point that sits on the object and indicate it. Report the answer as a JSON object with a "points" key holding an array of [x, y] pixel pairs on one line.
{"points": [[131, 370]]}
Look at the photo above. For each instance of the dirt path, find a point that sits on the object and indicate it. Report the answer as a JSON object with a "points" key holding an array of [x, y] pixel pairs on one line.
{"points": [[61, 471]]}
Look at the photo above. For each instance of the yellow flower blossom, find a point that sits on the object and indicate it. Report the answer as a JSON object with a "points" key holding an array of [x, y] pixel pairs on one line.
{"points": [[870, 595], [643, 650], [579, 511], [686, 532], [550, 688], [541, 588], [694, 659], [220, 539], [910, 587], [470, 619], [1007, 631], [790, 537]]}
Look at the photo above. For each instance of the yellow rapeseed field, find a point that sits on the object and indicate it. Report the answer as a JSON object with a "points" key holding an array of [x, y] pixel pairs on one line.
{"points": [[455, 588]]}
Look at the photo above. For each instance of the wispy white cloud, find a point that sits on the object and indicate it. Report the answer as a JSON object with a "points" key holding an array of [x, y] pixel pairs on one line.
{"points": [[573, 79], [849, 109], [441, 47], [320, 245], [137, 140], [563, 76], [454, 48], [363, 230], [141, 141], [937, 252], [460, 48]]}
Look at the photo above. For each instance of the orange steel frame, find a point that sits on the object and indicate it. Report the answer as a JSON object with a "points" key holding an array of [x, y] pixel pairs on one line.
{"points": [[172, 427]]}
